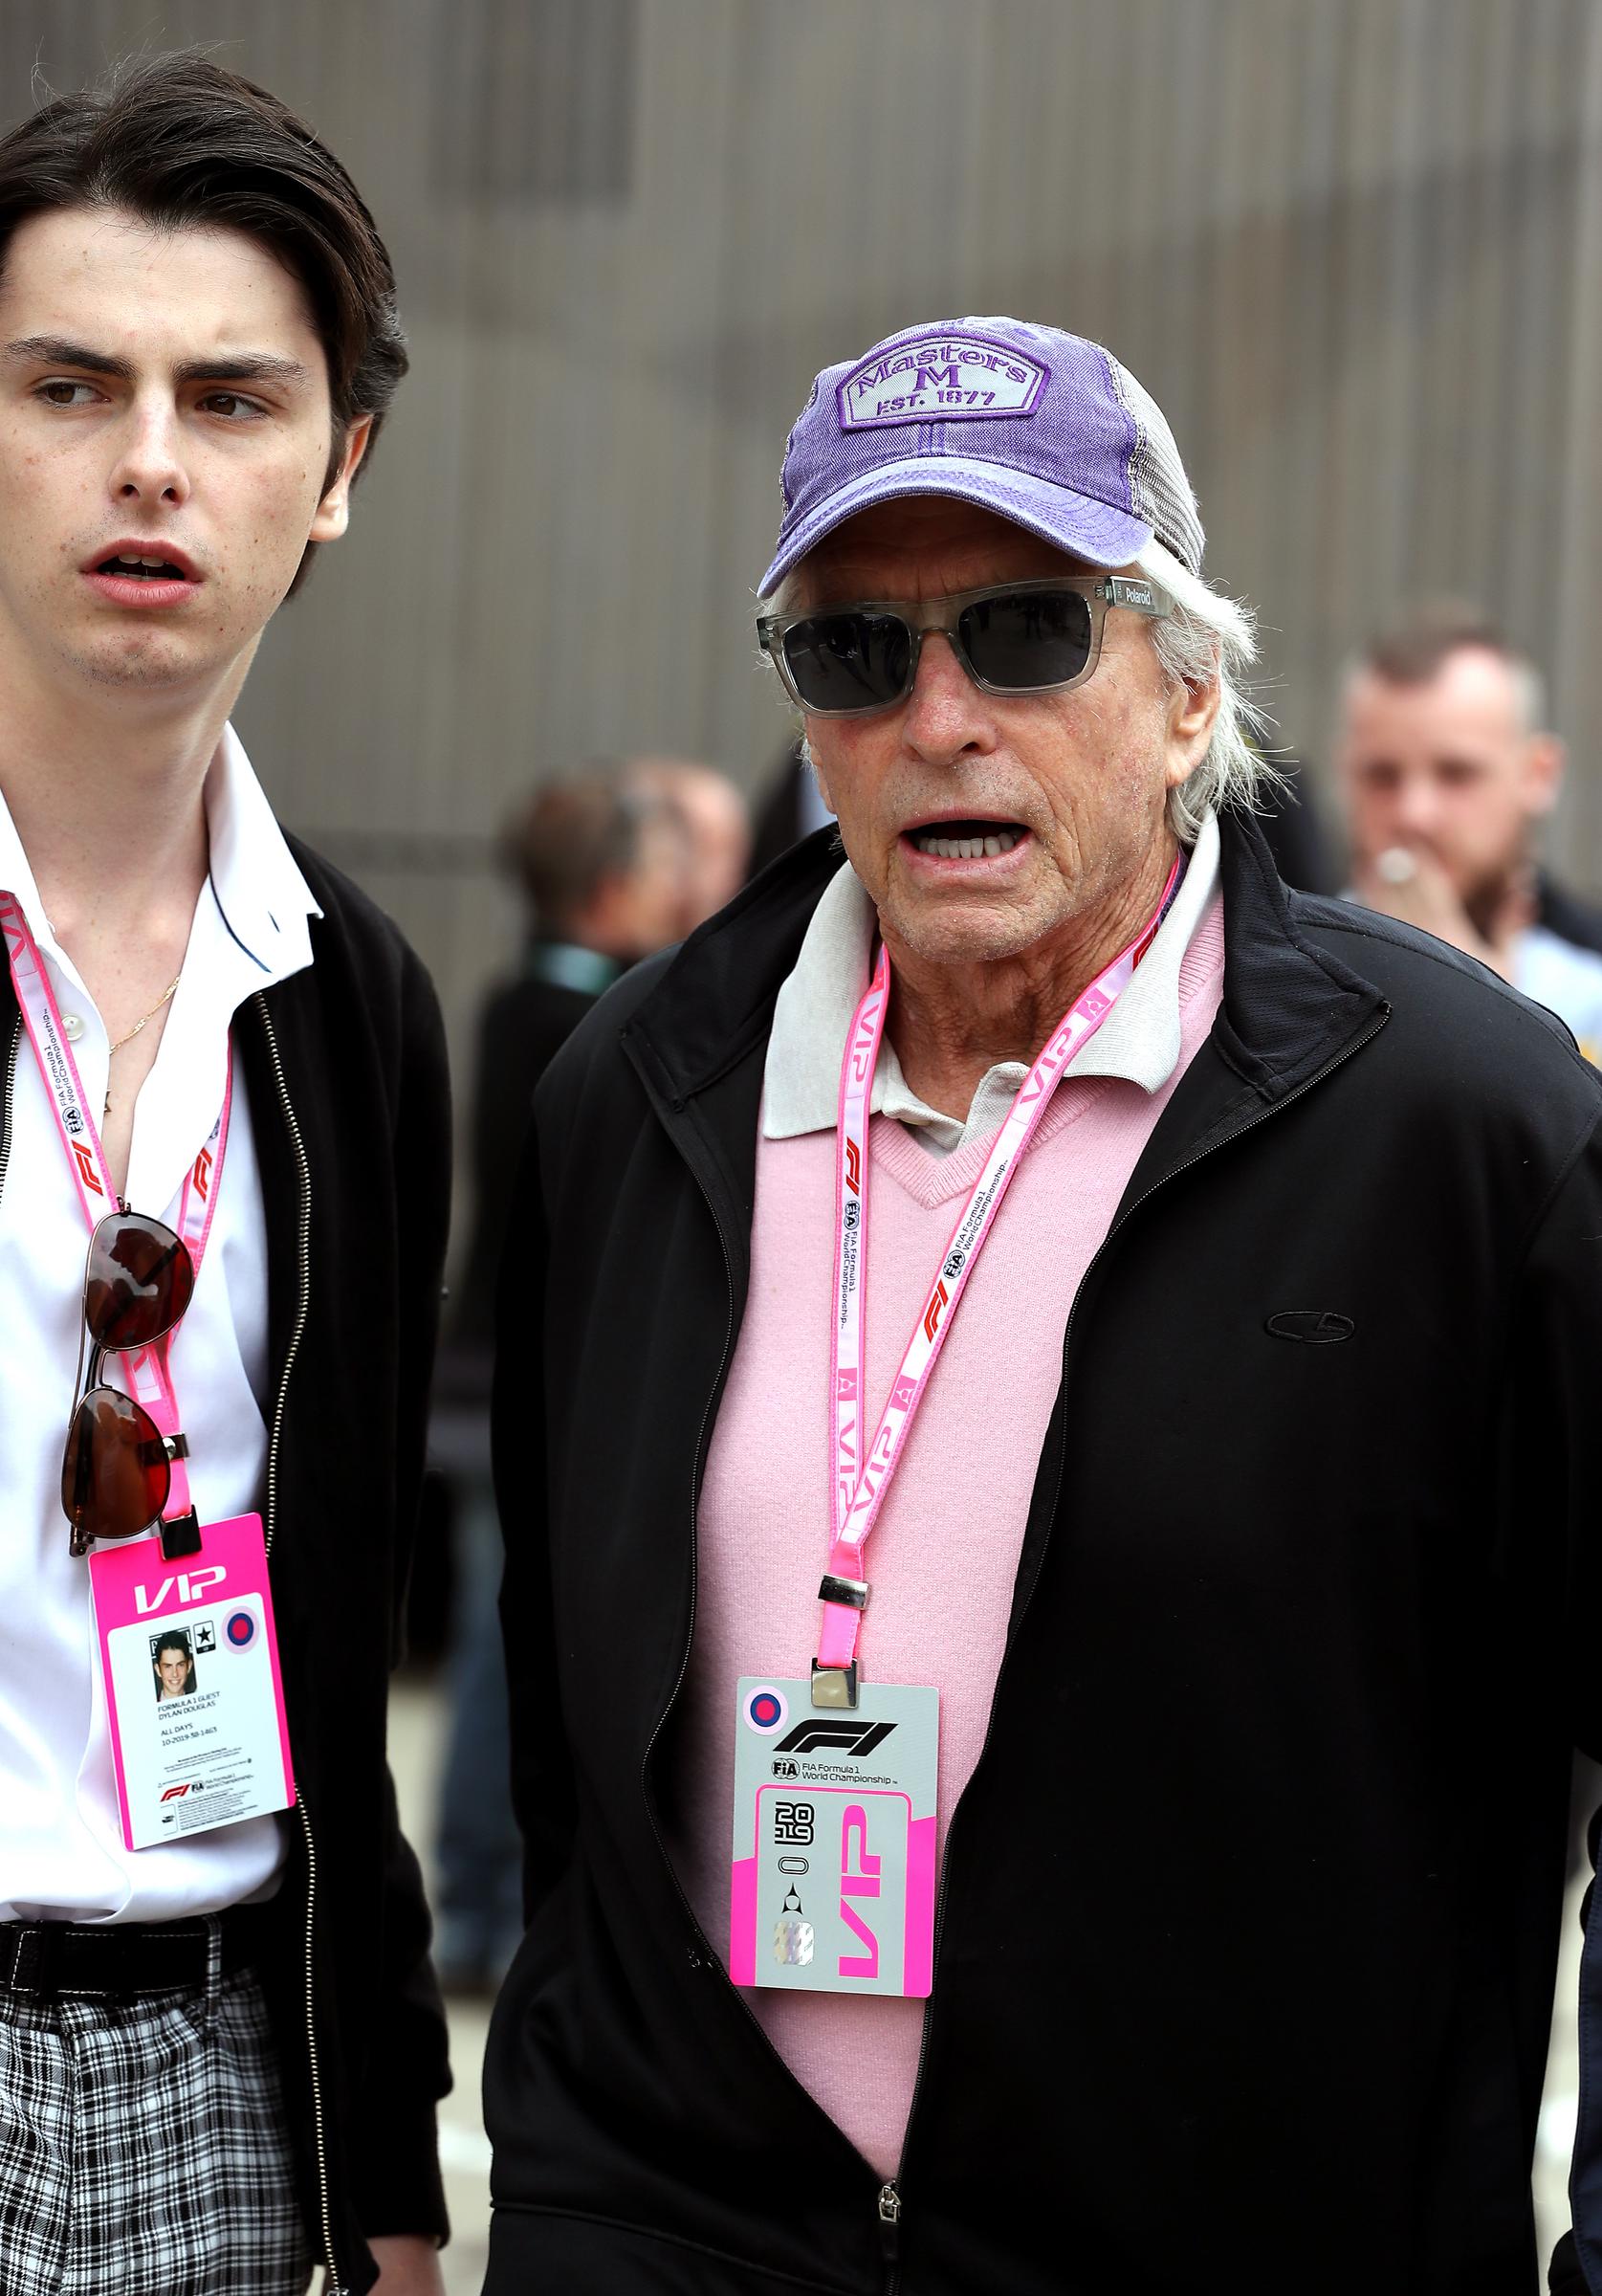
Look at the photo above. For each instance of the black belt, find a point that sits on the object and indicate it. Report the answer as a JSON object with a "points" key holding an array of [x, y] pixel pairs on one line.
{"points": [[82, 1960]]}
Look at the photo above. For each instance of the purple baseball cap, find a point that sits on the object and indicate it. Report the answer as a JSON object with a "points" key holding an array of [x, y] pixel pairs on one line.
{"points": [[1043, 428]]}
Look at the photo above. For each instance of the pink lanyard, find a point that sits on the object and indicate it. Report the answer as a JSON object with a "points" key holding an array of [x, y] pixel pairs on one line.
{"points": [[150, 1378], [860, 1479]]}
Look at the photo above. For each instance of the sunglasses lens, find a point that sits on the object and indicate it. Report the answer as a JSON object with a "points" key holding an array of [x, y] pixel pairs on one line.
{"points": [[116, 1476], [844, 662], [139, 1281], [1022, 643]]}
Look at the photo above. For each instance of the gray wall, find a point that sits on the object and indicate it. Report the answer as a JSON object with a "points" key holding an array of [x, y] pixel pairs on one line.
{"points": [[1354, 247]]}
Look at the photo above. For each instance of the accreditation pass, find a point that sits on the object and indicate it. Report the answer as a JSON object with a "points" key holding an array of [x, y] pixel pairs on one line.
{"points": [[834, 1851], [189, 1659]]}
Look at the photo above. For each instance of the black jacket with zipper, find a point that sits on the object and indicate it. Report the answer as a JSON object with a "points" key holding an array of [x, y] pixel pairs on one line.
{"points": [[1249, 1913], [344, 1068]]}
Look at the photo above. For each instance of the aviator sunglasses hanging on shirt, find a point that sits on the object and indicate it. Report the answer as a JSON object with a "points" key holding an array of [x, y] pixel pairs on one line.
{"points": [[833, 1878], [194, 1745]]}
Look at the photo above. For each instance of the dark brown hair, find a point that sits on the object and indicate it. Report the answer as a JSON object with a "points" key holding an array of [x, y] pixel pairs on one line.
{"points": [[177, 140], [1413, 649]]}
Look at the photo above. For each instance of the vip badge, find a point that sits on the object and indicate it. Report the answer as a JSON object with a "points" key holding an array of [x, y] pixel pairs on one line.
{"points": [[834, 1840]]}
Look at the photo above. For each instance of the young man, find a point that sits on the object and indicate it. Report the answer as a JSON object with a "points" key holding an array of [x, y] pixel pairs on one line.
{"points": [[1447, 771], [206, 1024]]}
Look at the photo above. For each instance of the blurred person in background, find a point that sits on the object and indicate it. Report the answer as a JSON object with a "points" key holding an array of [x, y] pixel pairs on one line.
{"points": [[601, 858], [220, 2050], [1446, 769], [716, 822], [1232, 1575]]}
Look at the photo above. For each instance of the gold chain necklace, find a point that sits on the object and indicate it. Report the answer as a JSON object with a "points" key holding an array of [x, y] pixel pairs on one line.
{"points": [[164, 999]]}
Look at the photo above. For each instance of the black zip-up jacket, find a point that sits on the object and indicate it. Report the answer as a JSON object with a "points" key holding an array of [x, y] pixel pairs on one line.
{"points": [[343, 1066], [1249, 1911]]}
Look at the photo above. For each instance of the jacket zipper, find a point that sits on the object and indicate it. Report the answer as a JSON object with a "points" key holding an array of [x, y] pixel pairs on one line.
{"points": [[891, 2203], [11, 1088], [889, 2226], [335, 2285], [701, 1952]]}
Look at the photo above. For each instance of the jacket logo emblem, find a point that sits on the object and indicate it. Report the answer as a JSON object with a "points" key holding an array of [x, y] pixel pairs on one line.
{"points": [[1319, 1327]]}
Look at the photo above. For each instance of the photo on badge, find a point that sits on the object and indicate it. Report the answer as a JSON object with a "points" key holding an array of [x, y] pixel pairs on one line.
{"points": [[172, 1660]]}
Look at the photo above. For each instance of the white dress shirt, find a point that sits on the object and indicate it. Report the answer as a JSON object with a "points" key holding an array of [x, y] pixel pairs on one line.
{"points": [[1139, 1038], [61, 1853]]}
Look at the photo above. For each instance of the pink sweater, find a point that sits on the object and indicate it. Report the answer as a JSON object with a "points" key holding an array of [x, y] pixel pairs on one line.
{"points": [[764, 1515]]}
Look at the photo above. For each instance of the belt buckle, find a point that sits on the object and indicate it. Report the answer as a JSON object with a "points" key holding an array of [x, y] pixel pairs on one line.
{"points": [[36, 1962]]}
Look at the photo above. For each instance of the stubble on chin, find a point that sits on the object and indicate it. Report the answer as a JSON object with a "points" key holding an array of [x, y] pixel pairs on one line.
{"points": [[131, 662], [967, 929], [141, 673]]}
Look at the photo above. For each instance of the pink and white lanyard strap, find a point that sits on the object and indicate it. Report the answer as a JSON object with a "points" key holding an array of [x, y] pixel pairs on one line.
{"points": [[860, 1479], [150, 1378]]}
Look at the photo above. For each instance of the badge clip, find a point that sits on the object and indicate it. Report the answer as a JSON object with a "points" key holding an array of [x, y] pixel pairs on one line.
{"points": [[181, 1536], [834, 1686], [852, 1591]]}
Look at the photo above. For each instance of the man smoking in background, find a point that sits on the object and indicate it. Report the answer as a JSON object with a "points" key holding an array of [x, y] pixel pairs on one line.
{"points": [[1447, 770]]}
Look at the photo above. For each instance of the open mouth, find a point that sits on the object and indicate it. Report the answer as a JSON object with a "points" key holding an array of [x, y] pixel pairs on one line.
{"points": [[143, 570], [967, 840]]}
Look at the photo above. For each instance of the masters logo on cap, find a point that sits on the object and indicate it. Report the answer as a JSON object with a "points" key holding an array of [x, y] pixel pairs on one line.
{"points": [[941, 377]]}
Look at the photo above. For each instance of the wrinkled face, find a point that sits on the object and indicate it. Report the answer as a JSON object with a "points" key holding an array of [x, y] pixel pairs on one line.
{"points": [[1063, 794], [165, 438], [1445, 766], [173, 1668]]}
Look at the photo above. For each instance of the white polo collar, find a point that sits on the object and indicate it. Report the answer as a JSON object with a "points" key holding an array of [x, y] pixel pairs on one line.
{"points": [[1138, 1040]]}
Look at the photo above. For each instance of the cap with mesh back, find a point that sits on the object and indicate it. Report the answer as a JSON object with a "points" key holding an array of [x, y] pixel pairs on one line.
{"points": [[1044, 428]]}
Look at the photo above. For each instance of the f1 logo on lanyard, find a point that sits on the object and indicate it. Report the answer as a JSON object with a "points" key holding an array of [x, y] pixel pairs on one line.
{"points": [[835, 1844]]}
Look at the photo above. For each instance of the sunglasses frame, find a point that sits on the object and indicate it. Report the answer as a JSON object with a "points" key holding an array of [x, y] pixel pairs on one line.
{"points": [[87, 1385], [922, 617]]}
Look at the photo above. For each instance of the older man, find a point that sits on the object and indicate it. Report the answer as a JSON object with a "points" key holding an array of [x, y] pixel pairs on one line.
{"points": [[1158, 1306]]}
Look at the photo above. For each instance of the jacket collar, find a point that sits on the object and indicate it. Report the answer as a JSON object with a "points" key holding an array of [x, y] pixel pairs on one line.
{"points": [[1288, 1005]]}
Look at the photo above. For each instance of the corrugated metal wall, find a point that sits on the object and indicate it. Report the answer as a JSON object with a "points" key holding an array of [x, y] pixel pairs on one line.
{"points": [[1354, 247]]}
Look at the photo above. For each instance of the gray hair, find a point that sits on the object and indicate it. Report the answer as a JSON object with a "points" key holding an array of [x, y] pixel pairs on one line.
{"points": [[1207, 637], [1210, 637]]}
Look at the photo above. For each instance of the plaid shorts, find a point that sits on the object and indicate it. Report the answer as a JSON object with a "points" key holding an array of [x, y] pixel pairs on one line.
{"points": [[143, 2149]]}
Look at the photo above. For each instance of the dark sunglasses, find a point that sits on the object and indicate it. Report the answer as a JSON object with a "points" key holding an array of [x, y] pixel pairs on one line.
{"points": [[117, 1475], [1018, 637]]}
